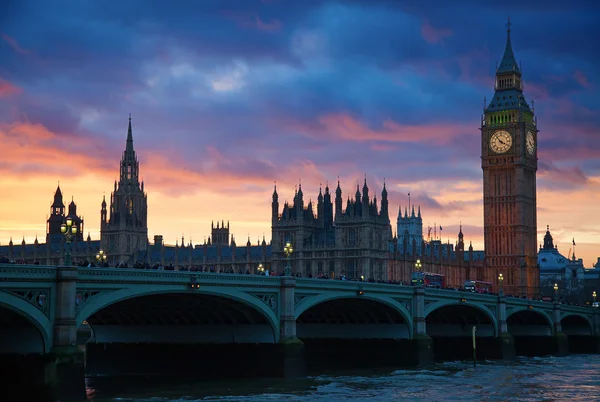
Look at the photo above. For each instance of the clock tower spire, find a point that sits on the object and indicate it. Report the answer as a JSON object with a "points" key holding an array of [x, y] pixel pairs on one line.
{"points": [[509, 162]]}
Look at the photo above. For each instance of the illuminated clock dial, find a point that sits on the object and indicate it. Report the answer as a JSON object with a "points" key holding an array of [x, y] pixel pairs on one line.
{"points": [[500, 142], [530, 143]]}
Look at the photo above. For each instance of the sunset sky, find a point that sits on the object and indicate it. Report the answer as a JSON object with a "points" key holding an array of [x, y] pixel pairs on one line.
{"points": [[228, 97]]}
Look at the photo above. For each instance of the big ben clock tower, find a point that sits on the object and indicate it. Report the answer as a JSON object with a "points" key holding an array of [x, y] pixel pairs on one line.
{"points": [[509, 162]]}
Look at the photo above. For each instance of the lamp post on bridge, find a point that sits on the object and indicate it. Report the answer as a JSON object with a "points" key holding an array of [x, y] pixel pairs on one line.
{"points": [[69, 230], [101, 257], [288, 250], [418, 268], [500, 281], [555, 291], [594, 296], [260, 269]]}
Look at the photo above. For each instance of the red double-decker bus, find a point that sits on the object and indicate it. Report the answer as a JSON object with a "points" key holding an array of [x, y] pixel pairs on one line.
{"points": [[429, 279], [478, 286]]}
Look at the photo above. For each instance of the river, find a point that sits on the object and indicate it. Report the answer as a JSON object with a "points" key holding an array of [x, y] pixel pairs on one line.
{"points": [[572, 378]]}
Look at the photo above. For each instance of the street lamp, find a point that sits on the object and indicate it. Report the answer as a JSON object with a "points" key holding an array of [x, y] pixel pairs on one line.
{"points": [[500, 281], [69, 231], [594, 296], [288, 250], [555, 290], [101, 257], [418, 267], [261, 269]]}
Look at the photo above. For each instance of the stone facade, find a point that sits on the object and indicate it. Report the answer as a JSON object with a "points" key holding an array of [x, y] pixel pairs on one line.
{"points": [[509, 162]]}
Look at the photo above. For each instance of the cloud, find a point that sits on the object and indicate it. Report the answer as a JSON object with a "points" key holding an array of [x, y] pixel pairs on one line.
{"points": [[13, 44], [7, 89], [246, 20], [582, 79], [433, 35]]}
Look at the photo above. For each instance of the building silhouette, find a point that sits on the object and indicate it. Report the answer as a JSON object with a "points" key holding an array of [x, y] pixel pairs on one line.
{"points": [[409, 229], [353, 242], [124, 228], [509, 162], [58, 217]]}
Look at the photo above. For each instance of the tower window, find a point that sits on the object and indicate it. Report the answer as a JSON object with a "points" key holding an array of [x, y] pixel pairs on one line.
{"points": [[128, 171]]}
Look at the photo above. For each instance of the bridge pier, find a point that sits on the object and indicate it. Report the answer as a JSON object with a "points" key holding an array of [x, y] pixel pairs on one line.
{"points": [[291, 348], [560, 338], [68, 358], [505, 341], [422, 343]]}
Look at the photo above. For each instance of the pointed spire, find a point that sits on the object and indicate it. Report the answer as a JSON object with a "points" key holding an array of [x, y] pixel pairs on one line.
{"points": [[509, 62], [129, 145], [419, 213], [412, 215], [58, 198]]}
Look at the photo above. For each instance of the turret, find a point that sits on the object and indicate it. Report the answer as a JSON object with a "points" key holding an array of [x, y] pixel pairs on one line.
{"points": [[548, 241], [275, 206], [365, 198], [58, 208], [103, 212], [338, 199], [384, 202]]}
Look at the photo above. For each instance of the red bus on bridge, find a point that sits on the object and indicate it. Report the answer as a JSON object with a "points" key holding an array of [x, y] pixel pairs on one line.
{"points": [[478, 286], [428, 279]]}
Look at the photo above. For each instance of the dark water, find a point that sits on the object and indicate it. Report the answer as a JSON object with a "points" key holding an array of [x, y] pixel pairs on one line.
{"points": [[572, 378]]}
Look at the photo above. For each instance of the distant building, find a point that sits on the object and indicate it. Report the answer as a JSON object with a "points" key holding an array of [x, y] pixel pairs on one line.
{"points": [[456, 264], [353, 241], [575, 283], [58, 217], [124, 228], [556, 268], [409, 229]]}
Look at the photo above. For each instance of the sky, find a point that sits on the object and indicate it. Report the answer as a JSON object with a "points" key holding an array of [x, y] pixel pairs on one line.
{"points": [[229, 97]]}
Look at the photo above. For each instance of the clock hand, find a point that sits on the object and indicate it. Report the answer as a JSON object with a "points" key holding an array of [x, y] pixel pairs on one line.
{"points": [[500, 141]]}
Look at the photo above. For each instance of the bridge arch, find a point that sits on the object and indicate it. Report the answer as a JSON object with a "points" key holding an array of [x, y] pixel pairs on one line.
{"points": [[576, 324], [110, 298], [374, 301], [473, 306], [34, 316], [515, 319]]}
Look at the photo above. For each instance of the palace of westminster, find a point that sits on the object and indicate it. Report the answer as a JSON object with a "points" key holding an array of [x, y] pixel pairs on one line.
{"points": [[354, 240]]}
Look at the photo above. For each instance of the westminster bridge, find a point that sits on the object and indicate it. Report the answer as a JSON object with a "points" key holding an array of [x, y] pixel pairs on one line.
{"points": [[45, 309]]}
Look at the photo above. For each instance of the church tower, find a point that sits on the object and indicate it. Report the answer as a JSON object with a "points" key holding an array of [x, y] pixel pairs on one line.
{"points": [[126, 230], [509, 162]]}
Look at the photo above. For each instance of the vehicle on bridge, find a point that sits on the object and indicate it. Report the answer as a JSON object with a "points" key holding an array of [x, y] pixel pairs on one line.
{"points": [[428, 279], [478, 286]]}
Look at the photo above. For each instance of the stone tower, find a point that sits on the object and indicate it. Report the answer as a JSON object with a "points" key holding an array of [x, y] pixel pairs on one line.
{"points": [[58, 217], [125, 230], [509, 162], [410, 231], [219, 234]]}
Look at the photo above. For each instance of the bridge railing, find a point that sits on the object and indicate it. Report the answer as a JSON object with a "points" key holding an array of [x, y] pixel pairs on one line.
{"points": [[29, 272], [121, 275]]}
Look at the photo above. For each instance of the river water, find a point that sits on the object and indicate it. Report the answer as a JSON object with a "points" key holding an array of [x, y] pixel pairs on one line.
{"points": [[572, 378]]}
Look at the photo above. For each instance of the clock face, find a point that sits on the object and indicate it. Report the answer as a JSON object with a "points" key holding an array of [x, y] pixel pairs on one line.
{"points": [[500, 142], [530, 143]]}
